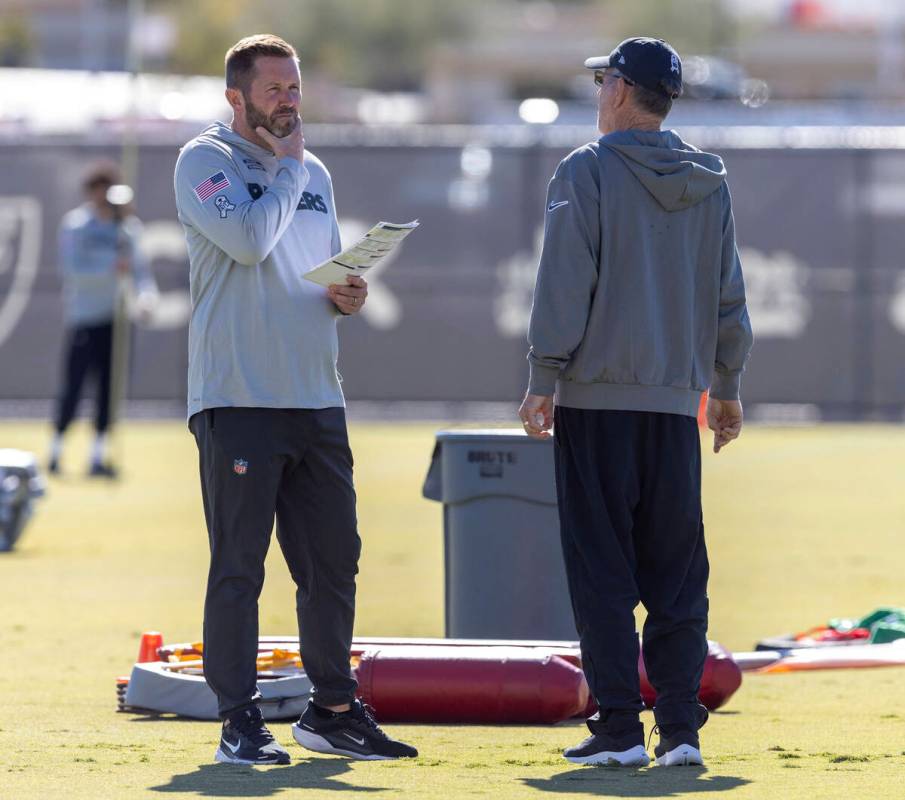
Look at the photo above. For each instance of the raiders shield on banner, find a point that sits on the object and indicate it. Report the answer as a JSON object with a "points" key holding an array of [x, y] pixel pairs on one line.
{"points": [[20, 248]]}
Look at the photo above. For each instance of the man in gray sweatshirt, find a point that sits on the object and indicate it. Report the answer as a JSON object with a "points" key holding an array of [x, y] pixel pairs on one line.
{"points": [[266, 407], [639, 307]]}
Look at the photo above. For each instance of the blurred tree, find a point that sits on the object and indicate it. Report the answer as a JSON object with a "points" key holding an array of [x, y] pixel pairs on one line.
{"points": [[380, 44], [691, 26], [206, 30], [16, 43]]}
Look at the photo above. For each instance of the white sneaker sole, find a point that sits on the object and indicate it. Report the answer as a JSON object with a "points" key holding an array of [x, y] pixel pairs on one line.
{"points": [[636, 757], [682, 756], [311, 741], [222, 757]]}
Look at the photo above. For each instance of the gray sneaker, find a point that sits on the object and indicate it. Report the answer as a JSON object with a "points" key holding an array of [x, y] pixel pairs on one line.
{"points": [[616, 740], [678, 748], [679, 745]]}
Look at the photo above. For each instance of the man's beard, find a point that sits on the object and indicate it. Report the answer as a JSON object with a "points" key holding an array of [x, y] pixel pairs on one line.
{"points": [[277, 125]]}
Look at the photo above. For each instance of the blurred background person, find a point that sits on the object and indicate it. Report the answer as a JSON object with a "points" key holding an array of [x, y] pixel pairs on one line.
{"points": [[98, 255]]}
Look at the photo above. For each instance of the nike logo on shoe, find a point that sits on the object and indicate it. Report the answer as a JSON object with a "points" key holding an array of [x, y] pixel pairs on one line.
{"points": [[359, 742], [233, 748], [557, 204]]}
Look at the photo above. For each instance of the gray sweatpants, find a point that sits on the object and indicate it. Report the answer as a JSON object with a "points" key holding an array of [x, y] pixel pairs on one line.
{"points": [[295, 464]]}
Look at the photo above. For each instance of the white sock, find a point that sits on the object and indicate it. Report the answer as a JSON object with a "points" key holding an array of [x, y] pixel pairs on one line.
{"points": [[100, 449], [56, 447]]}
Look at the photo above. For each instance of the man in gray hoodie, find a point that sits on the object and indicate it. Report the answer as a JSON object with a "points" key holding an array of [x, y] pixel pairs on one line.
{"points": [[266, 407], [639, 307]]}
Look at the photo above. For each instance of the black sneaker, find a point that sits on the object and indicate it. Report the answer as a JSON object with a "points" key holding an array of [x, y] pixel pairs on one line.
{"points": [[100, 470], [246, 740], [615, 741], [679, 745], [53, 466], [354, 733]]}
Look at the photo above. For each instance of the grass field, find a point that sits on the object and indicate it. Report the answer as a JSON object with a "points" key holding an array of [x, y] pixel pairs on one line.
{"points": [[803, 524]]}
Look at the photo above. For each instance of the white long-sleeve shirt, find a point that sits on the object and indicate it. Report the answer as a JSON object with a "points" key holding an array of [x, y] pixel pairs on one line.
{"points": [[260, 335]]}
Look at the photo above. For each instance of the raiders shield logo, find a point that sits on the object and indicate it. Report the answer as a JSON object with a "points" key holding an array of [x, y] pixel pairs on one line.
{"points": [[224, 206], [20, 250]]}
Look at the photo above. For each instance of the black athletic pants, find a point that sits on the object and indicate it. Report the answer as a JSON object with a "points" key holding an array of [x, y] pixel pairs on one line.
{"points": [[89, 350], [629, 491], [295, 464]]}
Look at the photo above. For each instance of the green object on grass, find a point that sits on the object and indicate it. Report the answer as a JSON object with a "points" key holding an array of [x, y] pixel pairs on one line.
{"points": [[882, 614], [883, 632], [886, 624]]}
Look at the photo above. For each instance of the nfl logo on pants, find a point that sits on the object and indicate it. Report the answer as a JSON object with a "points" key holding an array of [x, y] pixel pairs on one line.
{"points": [[240, 466]]}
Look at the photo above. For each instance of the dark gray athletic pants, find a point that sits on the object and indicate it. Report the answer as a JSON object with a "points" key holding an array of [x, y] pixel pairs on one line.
{"points": [[88, 352], [294, 464], [629, 491]]}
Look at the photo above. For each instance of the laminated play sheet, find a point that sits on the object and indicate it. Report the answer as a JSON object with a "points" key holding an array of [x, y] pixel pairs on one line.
{"points": [[362, 256]]}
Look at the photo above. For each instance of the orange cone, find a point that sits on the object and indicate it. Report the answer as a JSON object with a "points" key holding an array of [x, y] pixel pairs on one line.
{"points": [[147, 650]]}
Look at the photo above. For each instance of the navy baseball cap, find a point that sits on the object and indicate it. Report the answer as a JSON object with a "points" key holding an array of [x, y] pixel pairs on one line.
{"points": [[651, 63]]}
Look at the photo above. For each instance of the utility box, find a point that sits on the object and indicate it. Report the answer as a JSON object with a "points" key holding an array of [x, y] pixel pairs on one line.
{"points": [[504, 570]]}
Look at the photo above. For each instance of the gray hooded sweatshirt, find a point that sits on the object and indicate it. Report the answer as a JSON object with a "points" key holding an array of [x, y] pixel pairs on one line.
{"points": [[260, 335], [640, 302]]}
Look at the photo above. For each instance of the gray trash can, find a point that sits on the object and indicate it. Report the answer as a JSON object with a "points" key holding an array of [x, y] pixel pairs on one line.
{"points": [[503, 563], [20, 483]]}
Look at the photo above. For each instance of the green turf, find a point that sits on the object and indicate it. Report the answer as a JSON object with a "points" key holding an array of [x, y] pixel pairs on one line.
{"points": [[803, 524]]}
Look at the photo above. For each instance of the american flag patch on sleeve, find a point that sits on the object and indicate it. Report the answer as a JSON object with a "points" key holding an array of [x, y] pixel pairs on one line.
{"points": [[211, 186]]}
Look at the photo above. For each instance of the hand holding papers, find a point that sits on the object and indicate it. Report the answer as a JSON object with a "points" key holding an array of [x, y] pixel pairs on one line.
{"points": [[367, 252]]}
